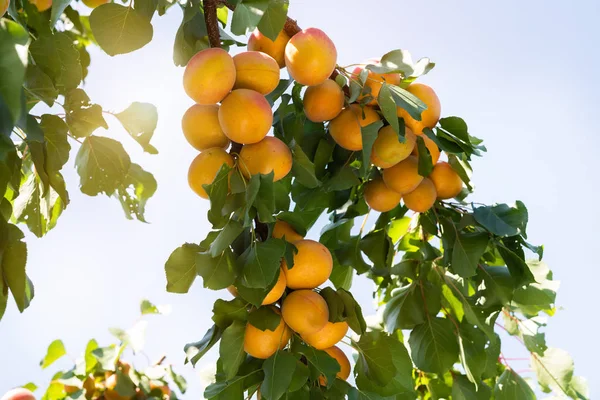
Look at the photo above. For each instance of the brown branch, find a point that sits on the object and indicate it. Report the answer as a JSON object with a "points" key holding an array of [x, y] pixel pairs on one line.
{"points": [[212, 24]]}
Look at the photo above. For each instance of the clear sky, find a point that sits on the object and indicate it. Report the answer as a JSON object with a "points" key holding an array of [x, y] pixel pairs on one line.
{"points": [[523, 74]]}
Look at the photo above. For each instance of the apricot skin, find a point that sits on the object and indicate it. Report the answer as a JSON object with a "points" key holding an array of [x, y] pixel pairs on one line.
{"points": [[283, 230], [403, 177], [270, 154], [41, 5], [209, 76], [323, 102], [305, 311], [429, 117], [312, 265], [201, 128], [4, 6], [94, 3], [422, 198], [345, 128], [276, 49], [18, 394], [245, 116], [310, 57], [379, 197], [204, 169], [257, 71], [388, 151], [447, 182]]}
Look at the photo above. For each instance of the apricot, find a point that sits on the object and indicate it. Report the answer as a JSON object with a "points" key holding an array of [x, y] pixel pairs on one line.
{"points": [[403, 177], [312, 265], [310, 57], [305, 311], [331, 334], [375, 81], [277, 291], [342, 360], [263, 344], [345, 128], [446, 181], [204, 169], [201, 128], [209, 76], [434, 151], [422, 198], [387, 149], [111, 392], [94, 3], [245, 116], [233, 290], [166, 391], [276, 49], [270, 154], [18, 394], [323, 102], [283, 230], [4, 6], [41, 5], [429, 117], [257, 71], [380, 197]]}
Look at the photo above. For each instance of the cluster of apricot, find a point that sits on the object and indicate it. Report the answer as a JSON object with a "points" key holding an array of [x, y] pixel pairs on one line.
{"points": [[303, 310]]}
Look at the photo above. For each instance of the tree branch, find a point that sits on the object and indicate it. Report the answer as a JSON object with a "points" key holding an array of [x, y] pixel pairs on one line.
{"points": [[212, 24]]}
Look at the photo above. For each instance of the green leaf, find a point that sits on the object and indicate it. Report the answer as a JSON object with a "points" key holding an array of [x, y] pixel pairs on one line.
{"points": [[457, 127], [10, 165], [273, 20], [12, 267], [216, 272], [58, 7], [279, 371], [55, 351], [554, 370], [409, 307], [341, 275], [510, 386], [146, 307], [225, 237], [378, 246], [102, 164], [119, 29], [388, 107], [408, 101], [433, 345], [319, 360], [375, 360], [140, 119], [425, 161], [32, 387], [462, 389], [195, 351], [58, 57], [369, 134], [217, 193], [352, 312], [502, 219], [472, 343], [225, 312], [247, 15], [335, 304], [191, 36], [344, 179], [261, 263], [133, 337], [300, 376], [57, 145], [136, 190], [231, 348], [38, 84], [302, 168], [265, 199], [519, 270], [147, 8], [180, 268], [264, 318], [14, 42], [83, 117], [401, 61], [468, 249], [301, 221], [178, 379], [90, 360]]}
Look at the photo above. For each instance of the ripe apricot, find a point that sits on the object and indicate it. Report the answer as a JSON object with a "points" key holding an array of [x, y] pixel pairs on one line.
{"points": [[41, 5], [310, 57], [18, 394], [312, 265], [166, 391], [422, 198], [387, 149], [4, 6], [94, 3], [245, 116], [111, 393], [446, 181], [283, 230], [204, 169], [233, 290], [342, 360], [331, 334], [276, 49], [277, 291], [305, 311], [403, 177], [380, 197], [429, 117], [263, 344], [323, 102], [270, 154], [375, 81], [345, 128], [201, 128], [434, 151], [209, 76], [257, 71]]}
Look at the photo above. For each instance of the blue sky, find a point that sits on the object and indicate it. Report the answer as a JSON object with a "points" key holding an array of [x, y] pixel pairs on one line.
{"points": [[523, 76]]}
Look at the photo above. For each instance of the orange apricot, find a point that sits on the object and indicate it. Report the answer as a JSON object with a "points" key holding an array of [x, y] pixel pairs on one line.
{"points": [[257, 71], [41, 5], [4, 6], [277, 291], [270, 154], [323, 102], [283, 230], [245, 116], [94, 3], [342, 360], [263, 344], [345, 128], [305, 311], [429, 117], [422, 198], [446, 181], [201, 128], [312, 265], [380, 197], [204, 169], [209, 76], [434, 151], [276, 49], [331, 334], [404, 176], [375, 81], [387, 149], [310, 57]]}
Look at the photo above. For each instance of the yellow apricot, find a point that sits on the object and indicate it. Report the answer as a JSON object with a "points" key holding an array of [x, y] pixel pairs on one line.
{"points": [[387, 149], [375, 81], [379, 197], [342, 360], [422, 198], [41, 5], [245, 116], [4, 6], [323, 102], [283, 230], [310, 57], [276, 49], [209, 76], [201, 128], [94, 3], [312, 265], [205, 167], [277, 291], [270, 154], [345, 128], [429, 117], [263, 344], [257, 71], [446, 181], [434, 151], [331, 334], [403, 177], [305, 311]]}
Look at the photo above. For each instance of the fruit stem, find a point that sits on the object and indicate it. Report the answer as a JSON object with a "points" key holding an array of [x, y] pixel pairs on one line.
{"points": [[212, 25]]}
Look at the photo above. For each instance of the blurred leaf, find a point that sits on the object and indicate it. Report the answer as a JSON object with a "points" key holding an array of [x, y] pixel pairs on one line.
{"points": [[83, 117], [225, 312], [401, 61], [191, 36], [195, 351], [56, 350], [554, 370], [140, 119], [107, 356], [180, 268], [12, 266], [136, 190], [39, 85], [462, 389], [216, 272], [511, 386], [264, 318], [247, 15], [90, 360], [344, 179], [178, 379], [58, 58], [119, 29], [14, 42]]}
